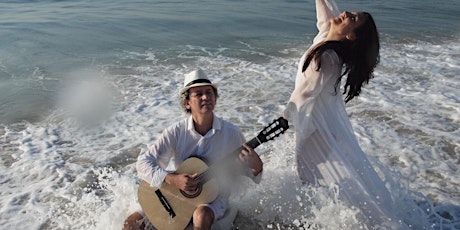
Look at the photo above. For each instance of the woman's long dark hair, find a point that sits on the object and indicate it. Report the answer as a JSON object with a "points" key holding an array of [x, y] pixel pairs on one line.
{"points": [[359, 57]]}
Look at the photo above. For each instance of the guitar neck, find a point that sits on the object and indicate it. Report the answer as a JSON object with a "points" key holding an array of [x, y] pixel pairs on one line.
{"points": [[253, 143], [228, 159], [273, 130]]}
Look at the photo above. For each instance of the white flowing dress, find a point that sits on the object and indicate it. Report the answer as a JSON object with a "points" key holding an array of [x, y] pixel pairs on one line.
{"points": [[327, 150]]}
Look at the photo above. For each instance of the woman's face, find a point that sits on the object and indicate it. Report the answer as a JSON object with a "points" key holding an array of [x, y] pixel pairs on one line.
{"points": [[346, 23]]}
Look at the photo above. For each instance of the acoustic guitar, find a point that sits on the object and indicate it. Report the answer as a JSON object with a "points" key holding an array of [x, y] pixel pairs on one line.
{"points": [[170, 208]]}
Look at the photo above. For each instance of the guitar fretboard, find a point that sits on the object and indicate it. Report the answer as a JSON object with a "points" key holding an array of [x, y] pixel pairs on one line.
{"points": [[206, 175]]}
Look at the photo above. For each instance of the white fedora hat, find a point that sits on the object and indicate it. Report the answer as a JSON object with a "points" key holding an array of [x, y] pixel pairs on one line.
{"points": [[194, 79]]}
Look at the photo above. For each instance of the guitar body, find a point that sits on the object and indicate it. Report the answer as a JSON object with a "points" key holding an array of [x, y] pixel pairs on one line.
{"points": [[182, 204]]}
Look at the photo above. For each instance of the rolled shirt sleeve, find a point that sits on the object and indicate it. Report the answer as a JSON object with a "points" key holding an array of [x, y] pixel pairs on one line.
{"points": [[157, 161]]}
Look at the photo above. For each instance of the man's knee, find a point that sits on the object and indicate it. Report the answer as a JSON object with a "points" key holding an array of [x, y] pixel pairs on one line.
{"points": [[203, 217], [134, 221]]}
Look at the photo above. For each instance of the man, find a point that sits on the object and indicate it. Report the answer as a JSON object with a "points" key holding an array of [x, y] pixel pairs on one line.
{"points": [[202, 134]]}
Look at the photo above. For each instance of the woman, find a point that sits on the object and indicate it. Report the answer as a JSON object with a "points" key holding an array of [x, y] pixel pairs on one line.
{"points": [[327, 151]]}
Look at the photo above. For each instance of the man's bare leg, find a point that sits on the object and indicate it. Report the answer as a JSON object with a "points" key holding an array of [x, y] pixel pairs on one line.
{"points": [[134, 221], [203, 217]]}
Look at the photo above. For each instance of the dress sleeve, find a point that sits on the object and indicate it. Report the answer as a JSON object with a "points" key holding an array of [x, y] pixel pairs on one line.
{"points": [[325, 11], [152, 164], [307, 89]]}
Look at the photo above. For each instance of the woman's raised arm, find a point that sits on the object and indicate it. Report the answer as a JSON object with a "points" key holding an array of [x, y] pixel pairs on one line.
{"points": [[325, 11]]}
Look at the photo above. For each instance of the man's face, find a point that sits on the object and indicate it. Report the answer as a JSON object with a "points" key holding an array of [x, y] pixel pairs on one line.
{"points": [[201, 99]]}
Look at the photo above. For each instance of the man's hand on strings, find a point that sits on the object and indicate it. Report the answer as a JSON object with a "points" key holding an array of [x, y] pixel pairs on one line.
{"points": [[184, 182]]}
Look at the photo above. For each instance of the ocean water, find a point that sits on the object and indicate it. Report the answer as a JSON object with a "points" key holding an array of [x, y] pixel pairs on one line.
{"points": [[86, 85]]}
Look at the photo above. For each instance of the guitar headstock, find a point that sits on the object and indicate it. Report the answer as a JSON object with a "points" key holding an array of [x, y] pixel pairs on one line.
{"points": [[274, 129]]}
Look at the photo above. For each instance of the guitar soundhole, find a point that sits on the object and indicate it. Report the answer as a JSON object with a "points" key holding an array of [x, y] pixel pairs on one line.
{"points": [[193, 194]]}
